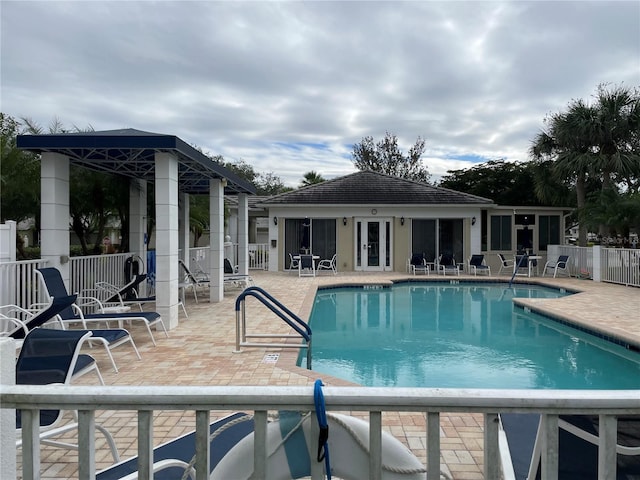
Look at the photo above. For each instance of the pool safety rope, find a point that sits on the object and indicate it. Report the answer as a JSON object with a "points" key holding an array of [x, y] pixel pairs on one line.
{"points": [[321, 414]]}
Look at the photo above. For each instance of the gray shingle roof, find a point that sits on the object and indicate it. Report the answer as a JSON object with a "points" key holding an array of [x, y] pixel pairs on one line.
{"points": [[373, 188]]}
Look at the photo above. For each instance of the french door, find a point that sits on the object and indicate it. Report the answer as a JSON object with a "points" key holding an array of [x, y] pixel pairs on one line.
{"points": [[373, 244]]}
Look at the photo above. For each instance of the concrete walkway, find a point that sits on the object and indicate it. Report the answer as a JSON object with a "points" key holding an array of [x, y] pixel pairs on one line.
{"points": [[200, 352]]}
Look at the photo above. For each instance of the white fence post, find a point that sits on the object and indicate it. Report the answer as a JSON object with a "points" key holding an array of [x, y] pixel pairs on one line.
{"points": [[597, 263], [8, 241], [7, 416]]}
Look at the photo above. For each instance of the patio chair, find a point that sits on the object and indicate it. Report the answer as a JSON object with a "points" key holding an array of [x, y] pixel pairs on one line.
{"points": [[559, 266], [477, 265], [171, 459], [52, 280], [329, 264], [446, 263], [189, 280], [125, 295], [578, 439], [50, 356], [306, 266], [118, 299], [505, 264], [73, 314], [233, 278], [30, 320], [198, 271], [522, 265], [293, 263], [418, 264]]}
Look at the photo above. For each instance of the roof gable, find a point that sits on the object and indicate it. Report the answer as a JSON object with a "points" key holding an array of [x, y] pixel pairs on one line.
{"points": [[374, 188]]}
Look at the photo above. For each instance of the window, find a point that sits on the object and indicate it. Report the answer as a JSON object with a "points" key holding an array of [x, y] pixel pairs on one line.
{"points": [[501, 232], [548, 231], [450, 239], [317, 236], [423, 238]]}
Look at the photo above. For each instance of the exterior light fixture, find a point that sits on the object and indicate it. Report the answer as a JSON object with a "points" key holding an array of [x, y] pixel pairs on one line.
{"points": [[473, 221], [275, 220], [401, 220], [344, 221]]}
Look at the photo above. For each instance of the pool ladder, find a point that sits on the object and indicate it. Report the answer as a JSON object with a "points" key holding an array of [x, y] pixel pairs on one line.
{"points": [[303, 331]]}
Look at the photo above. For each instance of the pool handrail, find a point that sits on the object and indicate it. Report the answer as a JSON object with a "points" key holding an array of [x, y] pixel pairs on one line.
{"points": [[302, 328], [523, 259]]}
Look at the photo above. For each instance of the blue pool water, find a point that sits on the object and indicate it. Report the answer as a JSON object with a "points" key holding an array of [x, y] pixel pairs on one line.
{"points": [[459, 336]]}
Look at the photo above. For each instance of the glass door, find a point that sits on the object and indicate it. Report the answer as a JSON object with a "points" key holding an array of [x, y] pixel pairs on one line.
{"points": [[373, 250]]}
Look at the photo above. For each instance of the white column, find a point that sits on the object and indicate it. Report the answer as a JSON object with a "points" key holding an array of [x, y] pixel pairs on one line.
{"points": [[183, 229], [167, 238], [7, 416], [54, 211], [596, 251], [216, 240], [138, 223], [243, 234]]}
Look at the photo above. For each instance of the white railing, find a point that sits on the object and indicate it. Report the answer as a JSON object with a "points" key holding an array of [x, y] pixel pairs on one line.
{"points": [[18, 283], [261, 399], [86, 271], [613, 265], [580, 258], [621, 265], [258, 256]]}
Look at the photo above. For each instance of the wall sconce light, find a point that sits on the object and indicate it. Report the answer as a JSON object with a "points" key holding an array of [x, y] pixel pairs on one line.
{"points": [[401, 220], [344, 221], [473, 221], [275, 220]]}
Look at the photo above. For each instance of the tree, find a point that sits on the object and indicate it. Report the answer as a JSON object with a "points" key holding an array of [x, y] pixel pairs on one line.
{"points": [[19, 179], [592, 145], [270, 184], [312, 178], [94, 197], [386, 157], [265, 183], [199, 216], [616, 120], [506, 183]]}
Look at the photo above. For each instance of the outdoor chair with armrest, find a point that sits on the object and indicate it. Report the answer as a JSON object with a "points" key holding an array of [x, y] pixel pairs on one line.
{"points": [[505, 264], [49, 356], [173, 459], [327, 264], [73, 314], [293, 263], [446, 263], [561, 265], [418, 264], [477, 265], [54, 285], [306, 266]]}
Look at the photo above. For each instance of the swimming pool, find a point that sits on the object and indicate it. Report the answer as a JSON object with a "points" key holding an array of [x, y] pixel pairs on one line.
{"points": [[464, 335]]}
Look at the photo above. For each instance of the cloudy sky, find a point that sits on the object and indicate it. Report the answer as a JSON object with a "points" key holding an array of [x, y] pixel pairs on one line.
{"points": [[289, 87]]}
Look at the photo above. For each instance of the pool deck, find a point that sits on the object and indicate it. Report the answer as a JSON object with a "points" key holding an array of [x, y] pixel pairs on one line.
{"points": [[200, 352]]}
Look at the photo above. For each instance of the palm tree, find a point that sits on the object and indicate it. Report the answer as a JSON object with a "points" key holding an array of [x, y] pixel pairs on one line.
{"points": [[615, 124], [312, 178], [595, 144], [567, 141]]}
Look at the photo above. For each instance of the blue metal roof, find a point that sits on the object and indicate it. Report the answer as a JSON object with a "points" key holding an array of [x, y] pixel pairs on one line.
{"points": [[131, 153]]}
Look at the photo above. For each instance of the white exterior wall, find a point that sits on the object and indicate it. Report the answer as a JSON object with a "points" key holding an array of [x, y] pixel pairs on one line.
{"points": [[365, 211]]}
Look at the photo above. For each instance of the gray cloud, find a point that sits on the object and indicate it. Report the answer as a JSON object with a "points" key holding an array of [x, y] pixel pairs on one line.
{"points": [[251, 80]]}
